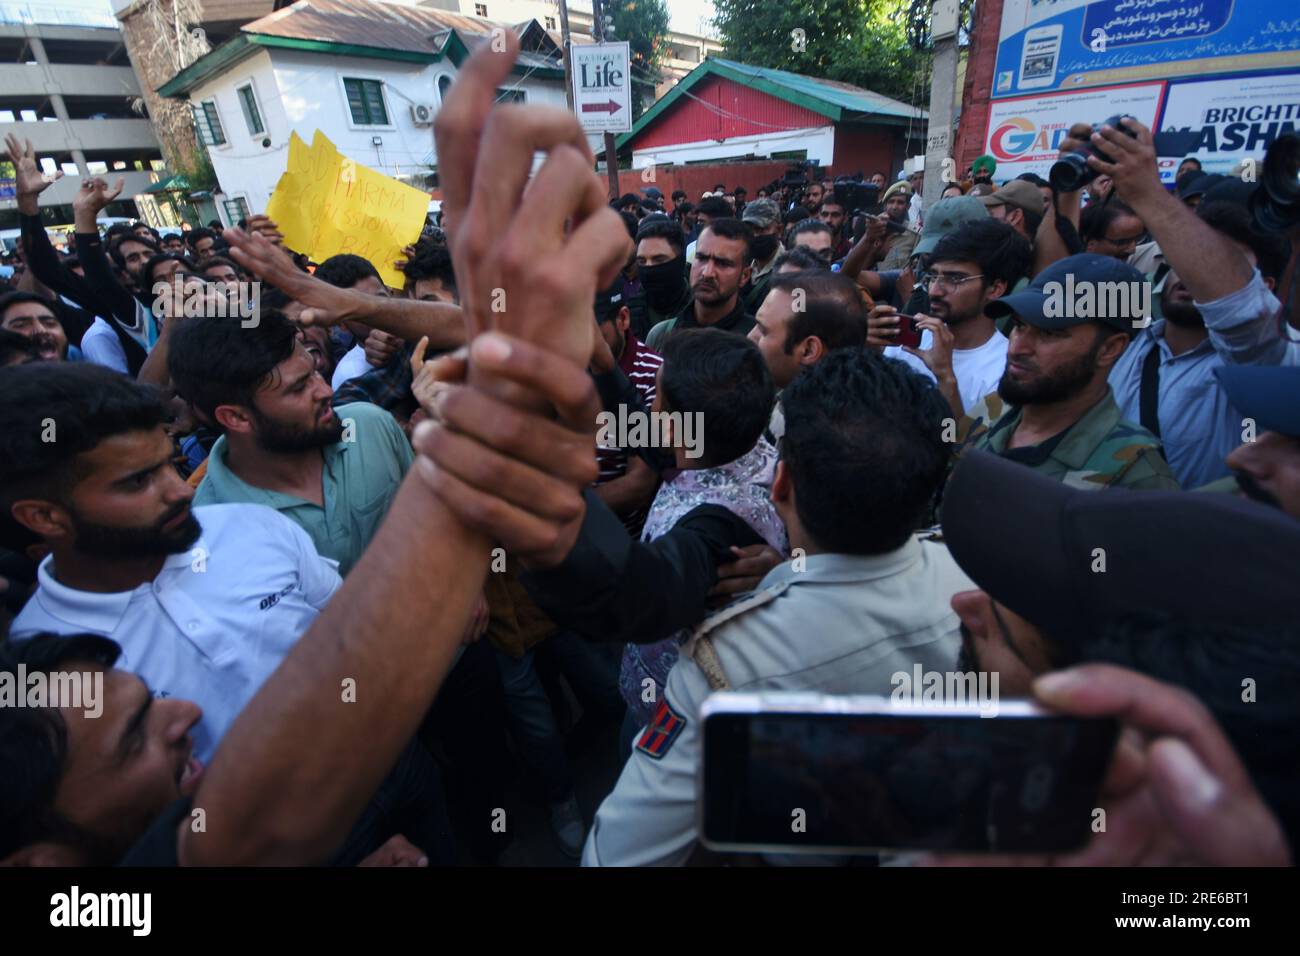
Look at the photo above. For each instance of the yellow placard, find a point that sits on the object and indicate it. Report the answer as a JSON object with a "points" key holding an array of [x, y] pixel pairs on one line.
{"points": [[326, 204]]}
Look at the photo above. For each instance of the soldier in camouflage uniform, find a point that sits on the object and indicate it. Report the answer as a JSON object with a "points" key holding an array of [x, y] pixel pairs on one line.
{"points": [[1062, 349]]}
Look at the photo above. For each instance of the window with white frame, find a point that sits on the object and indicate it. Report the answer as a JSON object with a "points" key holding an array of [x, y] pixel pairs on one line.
{"points": [[366, 101], [236, 209], [550, 23], [208, 123], [252, 115], [480, 9]]}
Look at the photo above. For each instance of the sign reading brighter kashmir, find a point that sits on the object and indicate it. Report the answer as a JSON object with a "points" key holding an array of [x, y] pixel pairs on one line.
{"points": [[326, 204]]}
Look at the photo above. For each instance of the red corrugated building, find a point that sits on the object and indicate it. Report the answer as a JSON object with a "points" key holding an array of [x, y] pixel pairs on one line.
{"points": [[723, 110]]}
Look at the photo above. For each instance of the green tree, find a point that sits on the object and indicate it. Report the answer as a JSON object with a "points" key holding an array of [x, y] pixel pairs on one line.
{"points": [[863, 42], [644, 25]]}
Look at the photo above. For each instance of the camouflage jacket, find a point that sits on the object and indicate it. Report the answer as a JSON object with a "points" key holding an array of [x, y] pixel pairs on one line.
{"points": [[1100, 450]]}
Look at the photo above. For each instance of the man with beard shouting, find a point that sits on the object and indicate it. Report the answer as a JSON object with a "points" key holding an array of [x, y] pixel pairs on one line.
{"points": [[333, 472]]}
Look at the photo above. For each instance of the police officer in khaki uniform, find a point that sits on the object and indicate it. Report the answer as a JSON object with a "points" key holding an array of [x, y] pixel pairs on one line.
{"points": [[1054, 409], [862, 599]]}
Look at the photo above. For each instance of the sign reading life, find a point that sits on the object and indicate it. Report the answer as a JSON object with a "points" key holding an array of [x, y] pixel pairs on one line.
{"points": [[602, 87]]}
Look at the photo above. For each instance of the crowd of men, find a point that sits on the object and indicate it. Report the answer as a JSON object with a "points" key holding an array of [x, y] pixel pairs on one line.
{"points": [[349, 559]]}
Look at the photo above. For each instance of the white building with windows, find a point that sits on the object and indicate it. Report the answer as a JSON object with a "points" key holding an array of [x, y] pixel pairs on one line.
{"points": [[370, 76], [685, 50]]}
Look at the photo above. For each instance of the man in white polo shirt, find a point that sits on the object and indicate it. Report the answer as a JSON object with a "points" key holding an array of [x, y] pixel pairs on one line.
{"points": [[206, 602]]}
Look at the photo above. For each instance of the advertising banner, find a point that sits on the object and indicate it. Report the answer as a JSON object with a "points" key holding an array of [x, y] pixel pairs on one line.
{"points": [[1052, 45], [1025, 133]]}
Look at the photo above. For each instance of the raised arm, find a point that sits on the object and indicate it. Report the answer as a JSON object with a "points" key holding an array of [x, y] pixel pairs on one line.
{"points": [[1207, 262], [300, 762], [441, 323]]}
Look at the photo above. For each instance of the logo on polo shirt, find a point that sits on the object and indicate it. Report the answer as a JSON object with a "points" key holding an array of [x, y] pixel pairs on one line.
{"points": [[271, 600]]}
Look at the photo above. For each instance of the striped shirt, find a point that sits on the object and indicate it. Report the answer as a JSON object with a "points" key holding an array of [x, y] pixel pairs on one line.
{"points": [[640, 364]]}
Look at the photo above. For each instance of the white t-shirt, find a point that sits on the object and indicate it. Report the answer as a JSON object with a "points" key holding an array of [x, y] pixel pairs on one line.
{"points": [[101, 345], [216, 621], [350, 366], [977, 370]]}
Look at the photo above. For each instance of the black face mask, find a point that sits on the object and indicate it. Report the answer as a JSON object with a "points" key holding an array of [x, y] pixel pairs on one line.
{"points": [[664, 284], [762, 247]]}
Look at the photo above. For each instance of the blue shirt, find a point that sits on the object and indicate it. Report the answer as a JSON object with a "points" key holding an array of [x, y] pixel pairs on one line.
{"points": [[1199, 427]]}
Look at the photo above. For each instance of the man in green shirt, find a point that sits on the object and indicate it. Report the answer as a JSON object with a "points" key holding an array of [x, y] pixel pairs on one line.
{"points": [[332, 471], [1054, 410]]}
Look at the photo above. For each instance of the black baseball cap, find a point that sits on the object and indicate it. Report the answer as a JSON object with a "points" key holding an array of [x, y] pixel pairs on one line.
{"points": [[609, 301], [1055, 288], [1032, 543], [1269, 394]]}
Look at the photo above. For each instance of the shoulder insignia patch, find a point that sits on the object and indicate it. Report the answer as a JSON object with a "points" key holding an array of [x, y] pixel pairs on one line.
{"points": [[664, 728]]}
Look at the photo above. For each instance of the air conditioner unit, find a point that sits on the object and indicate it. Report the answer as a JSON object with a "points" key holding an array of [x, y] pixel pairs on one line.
{"points": [[422, 114]]}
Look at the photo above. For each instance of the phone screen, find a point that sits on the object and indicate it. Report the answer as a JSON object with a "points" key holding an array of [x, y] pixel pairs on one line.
{"points": [[863, 782]]}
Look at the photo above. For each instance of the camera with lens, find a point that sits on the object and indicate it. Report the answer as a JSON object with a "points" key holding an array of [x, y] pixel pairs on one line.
{"points": [[857, 197], [1071, 172], [1275, 203]]}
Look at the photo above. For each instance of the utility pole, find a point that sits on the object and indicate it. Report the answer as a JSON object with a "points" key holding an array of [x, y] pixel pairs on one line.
{"points": [[611, 157], [943, 92], [564, 43]]}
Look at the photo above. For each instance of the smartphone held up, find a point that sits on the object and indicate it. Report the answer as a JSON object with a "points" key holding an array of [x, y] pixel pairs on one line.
{"points": [[811, 773]]}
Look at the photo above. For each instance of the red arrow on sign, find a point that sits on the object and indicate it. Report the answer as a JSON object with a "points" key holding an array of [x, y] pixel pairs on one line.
{"points": [[611, 107]]}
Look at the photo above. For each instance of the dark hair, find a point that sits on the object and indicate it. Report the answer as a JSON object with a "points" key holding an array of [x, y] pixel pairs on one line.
{"points": [[213, 361], [153, 233], [678, 192], [810, 225], [996, 247], [629, 223], [802, 258], [10, 299], [154, 261], [722, 377], [715, 207], [72, 262], [220, 261], [730, 227], [118, 229], [1096, 219], [1234, 221], [663, 229], [432, 260], [832, 309], [34, 746], [194, 235], [1034, 178], [1210, 661], [16, 349], [863, 428], [797, 214], [346, 270], [86, 403], [173, 236], [115, 247]]}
